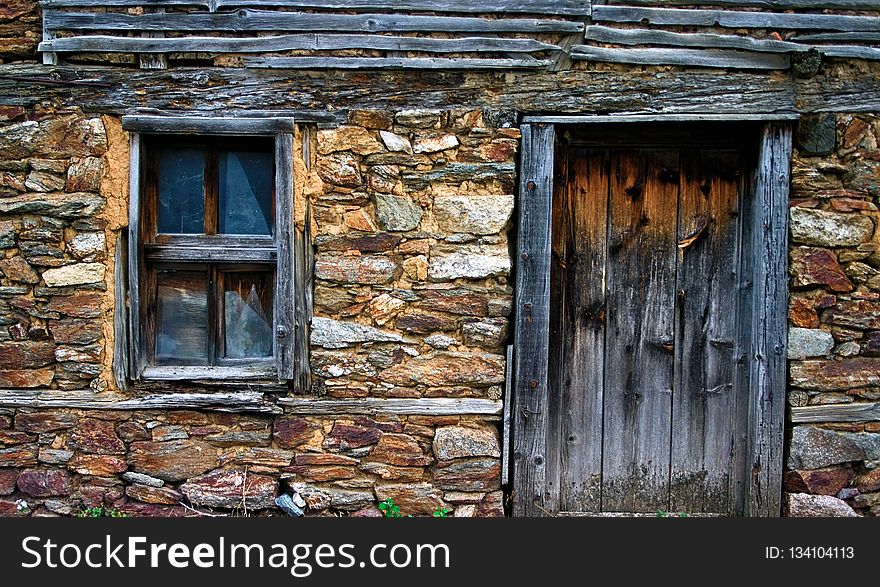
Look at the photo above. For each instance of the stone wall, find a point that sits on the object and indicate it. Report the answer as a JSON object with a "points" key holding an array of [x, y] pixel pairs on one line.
{"points": [[409, 213], [834, 314]]}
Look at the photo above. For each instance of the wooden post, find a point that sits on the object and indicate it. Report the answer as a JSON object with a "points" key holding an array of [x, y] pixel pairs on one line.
{"points": [[769, 247], [531, 337]]}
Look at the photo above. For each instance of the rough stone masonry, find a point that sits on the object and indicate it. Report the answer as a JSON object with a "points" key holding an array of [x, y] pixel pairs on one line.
{"points": [[410, 210]]}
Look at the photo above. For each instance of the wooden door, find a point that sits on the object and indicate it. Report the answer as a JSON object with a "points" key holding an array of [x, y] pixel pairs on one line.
{"points": [[647, 407]]}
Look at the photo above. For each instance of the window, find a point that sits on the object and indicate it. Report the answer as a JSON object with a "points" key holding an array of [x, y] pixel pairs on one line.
{"points": [[212, 290]]}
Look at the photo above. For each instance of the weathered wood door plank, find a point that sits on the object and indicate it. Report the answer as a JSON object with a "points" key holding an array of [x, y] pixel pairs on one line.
{"points": [[702, 412], [639, 331], [580, 214]]}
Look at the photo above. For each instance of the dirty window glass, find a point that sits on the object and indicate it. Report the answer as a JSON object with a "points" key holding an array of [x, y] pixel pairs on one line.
{"points": [[247, 313], [245, 191], [181, 181], [182, 315]]}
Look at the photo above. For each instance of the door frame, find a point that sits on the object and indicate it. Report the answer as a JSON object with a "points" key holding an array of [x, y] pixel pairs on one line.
{"points": [[768, 280]]}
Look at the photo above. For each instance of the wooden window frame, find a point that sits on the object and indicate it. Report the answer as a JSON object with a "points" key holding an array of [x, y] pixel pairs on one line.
{"points": [[285, 249], [766, 274]]}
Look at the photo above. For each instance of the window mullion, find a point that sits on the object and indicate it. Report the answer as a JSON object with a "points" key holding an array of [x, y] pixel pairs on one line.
{"points": [[212, 179]]}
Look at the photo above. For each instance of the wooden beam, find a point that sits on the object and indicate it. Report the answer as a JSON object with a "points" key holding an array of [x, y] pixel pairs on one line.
{"points": [[257, 370], [210, 254], [283, 315], [312, 42], [245, 401], [120, 311], [604, 34], [118, 91], [426, 406], [558, 7], [531, 324], [716, 58], [615, 118], [850, 51], [391, 63], [772, 4], [836, 37], [269, 20], [734, 19], [767, 380], [196, 125], [136, 342], [855, 412]]}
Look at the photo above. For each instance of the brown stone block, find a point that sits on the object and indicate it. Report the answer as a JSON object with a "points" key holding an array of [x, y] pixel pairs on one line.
{"points": [[418, 499], [826, 481], [21, 455], [86, 305], [811, 267], [96, 436], [291, 431], [97, 465], [481, 474], [8, 477], [401, 450], [39, 422], [840, 375], [44, 482], [346, 436], [27, 378], [76, 331], [26, 355], [231, 488], [154, 495], [175, 460], [447, 368], [869, 481], [321, 474]]}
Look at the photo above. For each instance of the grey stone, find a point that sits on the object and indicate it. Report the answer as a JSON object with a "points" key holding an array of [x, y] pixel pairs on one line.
{"points": [[43, 181], [804, 505], [848, 349], [86, 246], [54, 456], [76, 205], [867, 441], [319, 498], [440, 341], [473, 261], [817, 133], [809, 342], [330, 333], [53, 165], [76, 274], [435, 143], [397, 213], [286, 503], [847, 493], [418, 118], [473, 214], [142, 479], [84, 175], [814, 448], [7, 234], [231, 488], [455, 442], [395, 142], [830, 229], [486, 333]]}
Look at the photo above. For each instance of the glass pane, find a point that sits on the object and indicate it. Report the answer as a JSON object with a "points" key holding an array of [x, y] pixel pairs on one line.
{"points": [[247, 299], [181, 190], [182, 316], [246, 179]]}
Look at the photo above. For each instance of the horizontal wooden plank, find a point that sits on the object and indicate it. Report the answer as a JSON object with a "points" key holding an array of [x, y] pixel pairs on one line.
{"points": [[774, 4], [836, 37], [218, 90], [861, 412], [313, 42], [850, 51], [717, 58], [734, 19], [620, 118], [245, 401], [196, 125], [603, 34], [210, 254], [299, 116], [403, 406], [392, 63], [268, 20], [558, 7], [194, 373]]}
